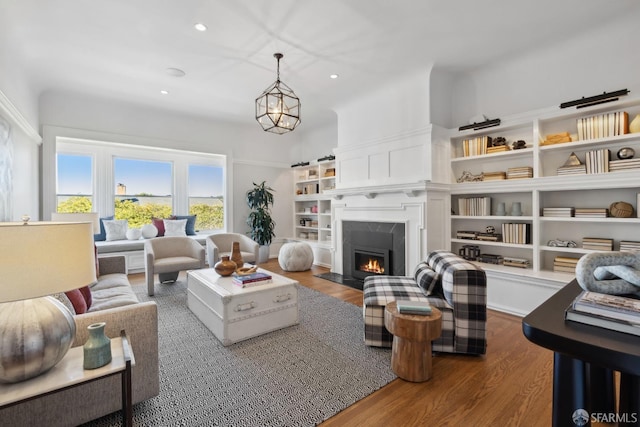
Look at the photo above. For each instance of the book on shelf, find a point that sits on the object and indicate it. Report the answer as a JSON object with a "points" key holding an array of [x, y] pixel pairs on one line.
{"points": [[623, 165], [602, 322], [597, 244], [414, 307], [519, 233], [591, 212], [558, 212], [597, 161], [494, 176], [474, 206], [476, 146], [629, 246], [556, 138], [617, 307], [572, 170], [603, 125], [520, 172], [257, 278]]}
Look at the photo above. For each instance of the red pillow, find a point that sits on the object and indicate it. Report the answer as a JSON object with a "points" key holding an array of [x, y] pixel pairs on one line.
{"points": [[86, 294], [77, 300], [159, 224]]}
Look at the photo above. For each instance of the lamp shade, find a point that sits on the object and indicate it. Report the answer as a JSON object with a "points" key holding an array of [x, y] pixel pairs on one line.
{"points": [[44, 258], [91, 217]]}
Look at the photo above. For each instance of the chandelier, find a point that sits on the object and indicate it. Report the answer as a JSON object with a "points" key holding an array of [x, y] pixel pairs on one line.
{"points": [[278, 108]]}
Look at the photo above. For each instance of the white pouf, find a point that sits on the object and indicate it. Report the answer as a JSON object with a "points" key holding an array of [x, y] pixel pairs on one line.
{"points": [[149, 231], [296, 256], [133, 234]]}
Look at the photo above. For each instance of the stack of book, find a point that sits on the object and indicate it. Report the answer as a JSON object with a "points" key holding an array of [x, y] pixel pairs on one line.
{"points": [[603, 125], [565, 264], [498, 149], [474, 206], [489, 237], [557, 212], [414, 307], [253, 279], [466, 234], [557, 138], [597, 244], [476, 146], [515, 262], [520, 172], [572, 170], [597, 161], [494, 176], [623, 165], [613, 312], [629, 246], [519, 233], [591, 212]]}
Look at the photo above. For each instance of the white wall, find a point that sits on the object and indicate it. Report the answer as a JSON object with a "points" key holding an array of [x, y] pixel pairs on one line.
{"points": [[598, 60]]}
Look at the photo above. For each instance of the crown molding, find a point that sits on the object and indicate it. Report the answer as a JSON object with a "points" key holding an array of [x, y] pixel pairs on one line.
{"points": [[14, 116]]}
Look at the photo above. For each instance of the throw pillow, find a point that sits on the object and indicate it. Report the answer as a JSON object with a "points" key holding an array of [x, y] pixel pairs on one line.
{"points": [[191, 223], [77, 300], [86, 294], [102, 236], [175, 227], [426, 278], [159, 224], [116, 229]]}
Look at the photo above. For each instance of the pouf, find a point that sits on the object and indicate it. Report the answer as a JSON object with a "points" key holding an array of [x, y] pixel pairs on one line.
{"points": [[295, 256]]}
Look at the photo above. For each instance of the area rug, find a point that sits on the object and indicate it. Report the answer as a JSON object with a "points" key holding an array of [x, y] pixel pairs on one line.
{"points": [[297, 376]]}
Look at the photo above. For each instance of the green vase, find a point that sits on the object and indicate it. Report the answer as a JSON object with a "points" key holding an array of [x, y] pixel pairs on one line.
{"points": [[97, 349]]}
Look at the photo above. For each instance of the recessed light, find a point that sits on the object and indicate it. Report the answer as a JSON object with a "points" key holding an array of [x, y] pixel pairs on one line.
{"points": [[334, 76], [199, 26], [164, 92]]}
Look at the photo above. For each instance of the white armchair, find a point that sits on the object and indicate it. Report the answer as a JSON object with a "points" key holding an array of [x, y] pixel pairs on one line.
{"points": [[219, 245], [167, 256]]}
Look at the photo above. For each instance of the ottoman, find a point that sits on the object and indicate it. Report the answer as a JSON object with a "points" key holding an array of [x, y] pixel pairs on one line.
{"points": [[295, 256]]}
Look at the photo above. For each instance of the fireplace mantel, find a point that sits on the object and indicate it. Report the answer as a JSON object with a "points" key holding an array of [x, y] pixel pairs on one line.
{"points": [[370, 192]]}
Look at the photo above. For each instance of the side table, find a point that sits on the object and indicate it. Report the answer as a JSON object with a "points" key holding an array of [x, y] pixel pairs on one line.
{"points": [[69, 372], [412, 336]]}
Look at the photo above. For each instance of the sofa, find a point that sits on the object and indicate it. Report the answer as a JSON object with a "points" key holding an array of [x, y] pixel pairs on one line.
{"points": [[113, 302], [457, 287]]}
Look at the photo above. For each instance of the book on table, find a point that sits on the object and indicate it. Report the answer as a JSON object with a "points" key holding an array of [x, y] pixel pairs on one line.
{"points": [[614, 307], [257, 278], [414, 307], [602, 322]]}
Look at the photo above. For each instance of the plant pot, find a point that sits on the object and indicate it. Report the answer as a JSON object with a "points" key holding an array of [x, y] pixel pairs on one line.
{"points": [[263, 254]]}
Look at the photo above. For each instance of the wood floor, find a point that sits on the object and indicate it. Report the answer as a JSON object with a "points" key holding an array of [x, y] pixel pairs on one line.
{"points": [[510, 386]]}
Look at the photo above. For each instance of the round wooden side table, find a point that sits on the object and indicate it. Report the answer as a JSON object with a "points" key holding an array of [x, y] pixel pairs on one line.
{"points": [[412, 336]]}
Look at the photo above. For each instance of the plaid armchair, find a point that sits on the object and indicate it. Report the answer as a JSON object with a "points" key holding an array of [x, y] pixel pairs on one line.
{"points": [[455, 286]]}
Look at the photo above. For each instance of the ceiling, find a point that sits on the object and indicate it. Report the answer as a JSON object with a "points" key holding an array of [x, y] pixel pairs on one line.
{"points": [[121, 49]]}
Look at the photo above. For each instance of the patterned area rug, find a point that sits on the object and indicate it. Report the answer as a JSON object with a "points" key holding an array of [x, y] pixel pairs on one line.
{"points": [[297, 376]]}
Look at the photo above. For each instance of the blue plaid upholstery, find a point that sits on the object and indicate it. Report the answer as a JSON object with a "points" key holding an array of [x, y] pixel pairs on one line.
{"points": [[461, 296]]}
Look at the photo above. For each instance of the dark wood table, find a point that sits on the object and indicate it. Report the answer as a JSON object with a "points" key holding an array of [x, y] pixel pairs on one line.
{"points": [[585, 358]]}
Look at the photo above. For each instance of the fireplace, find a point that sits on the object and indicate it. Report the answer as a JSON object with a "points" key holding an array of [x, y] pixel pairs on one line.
{"points": [[373, 248], [370, 262]]}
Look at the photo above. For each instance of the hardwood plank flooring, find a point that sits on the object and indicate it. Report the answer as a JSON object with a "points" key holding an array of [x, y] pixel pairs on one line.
{"points": [[510, 386]]}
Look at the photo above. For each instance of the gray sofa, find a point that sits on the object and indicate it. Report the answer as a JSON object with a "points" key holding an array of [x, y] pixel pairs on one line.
{"points": [[114, 303]]}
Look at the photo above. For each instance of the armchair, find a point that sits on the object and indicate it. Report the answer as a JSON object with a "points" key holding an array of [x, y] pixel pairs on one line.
{"points": [[169, 255], [219, 245]]}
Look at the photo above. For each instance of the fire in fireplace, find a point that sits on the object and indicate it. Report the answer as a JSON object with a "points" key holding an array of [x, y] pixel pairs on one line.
{"points": [[370, 261]]}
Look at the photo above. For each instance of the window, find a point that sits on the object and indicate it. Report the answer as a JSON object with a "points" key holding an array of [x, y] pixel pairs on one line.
{"points": [[74, 183], [206, 200], [142, 190], [136, 182]]}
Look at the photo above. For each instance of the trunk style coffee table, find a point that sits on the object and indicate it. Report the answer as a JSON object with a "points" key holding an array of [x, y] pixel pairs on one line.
{"points": [[234, 313], [412, 336]]}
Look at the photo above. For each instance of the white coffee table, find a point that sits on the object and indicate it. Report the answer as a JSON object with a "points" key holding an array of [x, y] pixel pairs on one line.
{"points": [[234, 313]]}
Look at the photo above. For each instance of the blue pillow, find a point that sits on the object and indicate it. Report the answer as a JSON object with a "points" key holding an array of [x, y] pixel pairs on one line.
{"points": [[103, 233], [191, 223]]}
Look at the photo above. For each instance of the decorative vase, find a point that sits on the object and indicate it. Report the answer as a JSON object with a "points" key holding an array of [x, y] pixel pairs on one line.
{"points": [[133, 234], [97, 349], [149, 231], [502, 210], [225, 267], [516, 209], [236, 256], [634, 126]]}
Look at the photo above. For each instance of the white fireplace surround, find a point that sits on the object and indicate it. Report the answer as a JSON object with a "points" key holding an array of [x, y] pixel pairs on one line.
{"points": [[421, 207]]}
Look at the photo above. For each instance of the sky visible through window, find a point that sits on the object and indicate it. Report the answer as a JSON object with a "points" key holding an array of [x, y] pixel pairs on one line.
{"points": [[139, 176]]}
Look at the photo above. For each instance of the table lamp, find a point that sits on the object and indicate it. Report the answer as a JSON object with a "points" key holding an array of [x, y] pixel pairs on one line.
{"points": [[91, 217], [36, 260]]}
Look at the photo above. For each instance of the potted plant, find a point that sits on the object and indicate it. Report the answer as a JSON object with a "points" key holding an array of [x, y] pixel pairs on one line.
{"points": [[259, 220]]}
